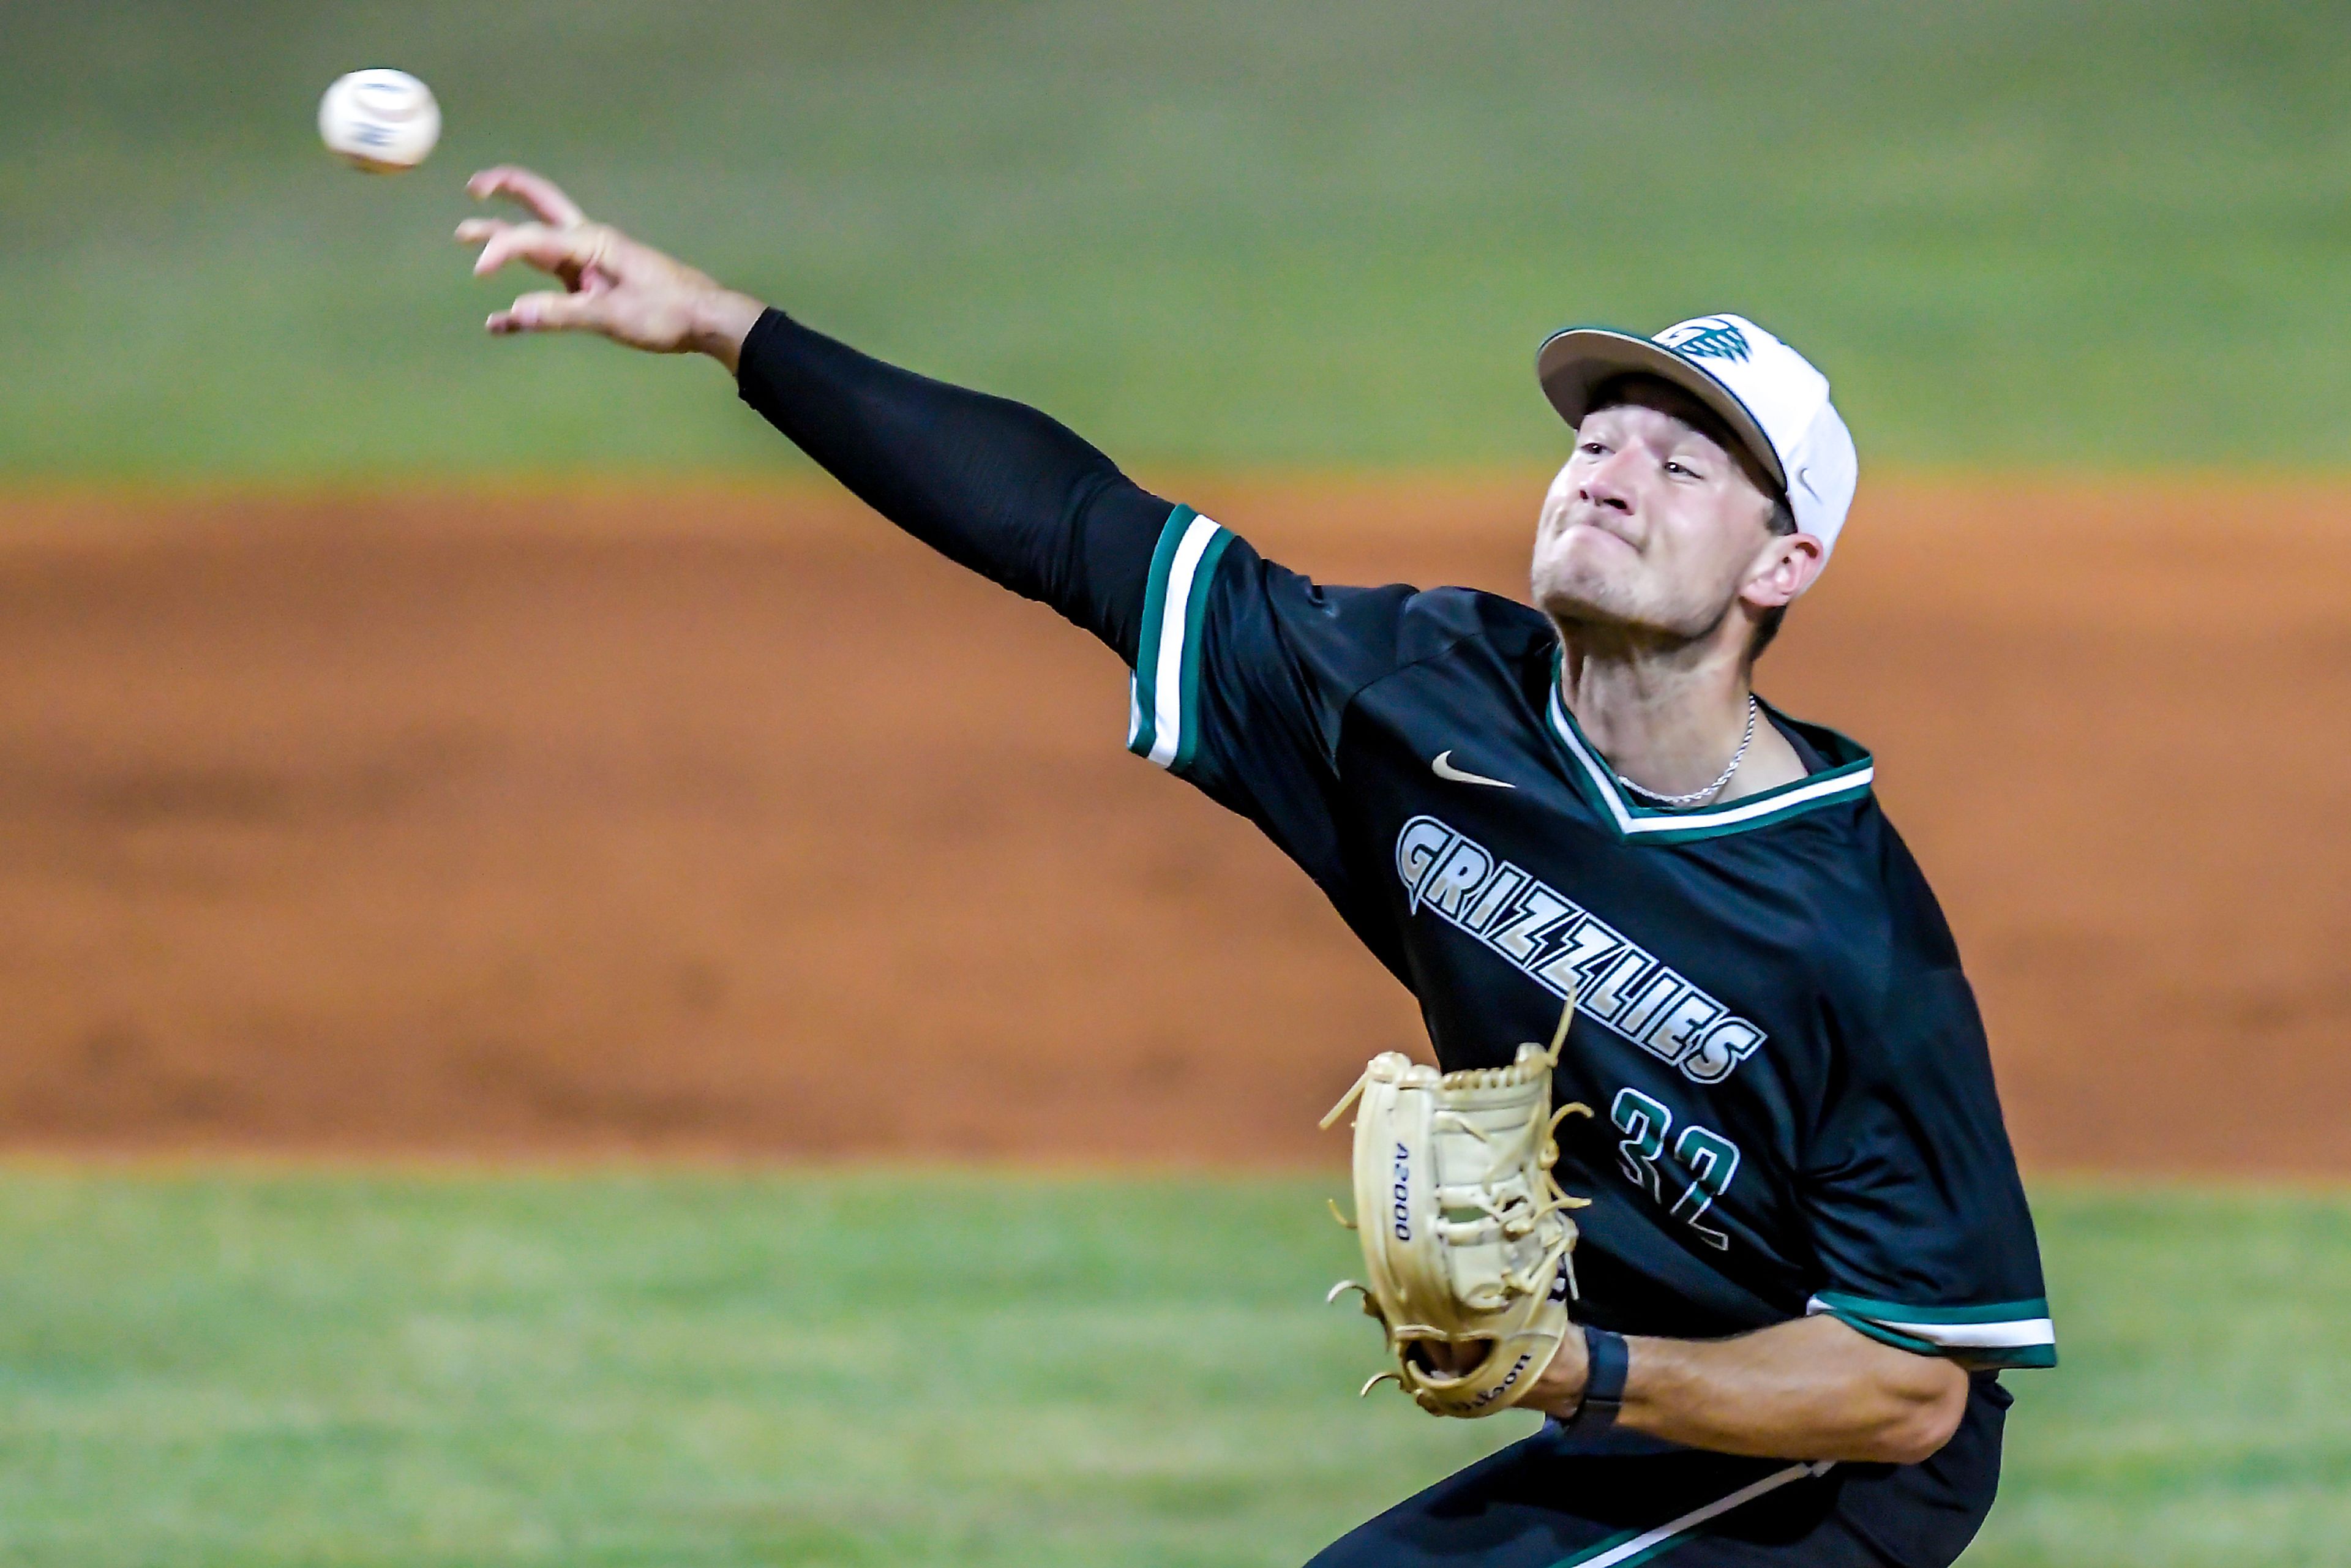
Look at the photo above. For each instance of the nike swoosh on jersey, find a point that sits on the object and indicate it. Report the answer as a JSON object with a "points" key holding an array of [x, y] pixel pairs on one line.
{"points": [[1442, 766]]}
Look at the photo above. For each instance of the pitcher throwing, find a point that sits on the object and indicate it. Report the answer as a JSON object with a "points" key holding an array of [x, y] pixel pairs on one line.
{"points": [[1807, 1256]]}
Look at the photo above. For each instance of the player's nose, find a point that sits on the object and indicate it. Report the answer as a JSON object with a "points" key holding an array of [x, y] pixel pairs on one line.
{"points": [[1605, 485], [1609, 483]]}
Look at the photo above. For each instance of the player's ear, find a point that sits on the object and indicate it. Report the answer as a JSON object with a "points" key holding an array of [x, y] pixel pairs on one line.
{"points": [[1783, 569]]}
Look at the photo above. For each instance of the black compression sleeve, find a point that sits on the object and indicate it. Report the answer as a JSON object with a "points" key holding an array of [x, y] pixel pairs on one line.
{"points": [[990, 484]]}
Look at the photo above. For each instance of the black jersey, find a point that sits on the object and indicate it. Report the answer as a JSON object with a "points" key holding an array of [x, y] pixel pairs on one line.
{"points": [[1794, 1110], [1793, 1107]]}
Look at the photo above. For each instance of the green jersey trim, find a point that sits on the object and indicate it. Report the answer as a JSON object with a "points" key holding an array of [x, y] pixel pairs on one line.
{"points": [[1164, 696], [2006, 1333], [1632, 1547], [1849, 777], [2037, 1308]]}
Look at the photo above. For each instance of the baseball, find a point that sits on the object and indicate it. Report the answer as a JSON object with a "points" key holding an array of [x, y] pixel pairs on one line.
{"points": [[383, 122]]}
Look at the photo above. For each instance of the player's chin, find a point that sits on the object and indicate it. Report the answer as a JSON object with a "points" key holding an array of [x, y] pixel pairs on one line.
{"points": [[1586, 568], [1570, 587], [1619, 599]]}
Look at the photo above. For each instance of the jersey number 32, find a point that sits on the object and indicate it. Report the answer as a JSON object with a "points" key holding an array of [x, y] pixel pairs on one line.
{"points": [[1701, 1165]]}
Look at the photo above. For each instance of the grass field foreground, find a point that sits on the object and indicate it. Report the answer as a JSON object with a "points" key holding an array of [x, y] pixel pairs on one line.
{"points": [[854, 1368]]}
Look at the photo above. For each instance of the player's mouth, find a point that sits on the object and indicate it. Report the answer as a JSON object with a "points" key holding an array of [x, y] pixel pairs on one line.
{"points": [[1596, 520]]}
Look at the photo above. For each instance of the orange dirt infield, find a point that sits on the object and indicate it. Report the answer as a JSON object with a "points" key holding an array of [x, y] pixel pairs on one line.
{"points": [[731, 822]]}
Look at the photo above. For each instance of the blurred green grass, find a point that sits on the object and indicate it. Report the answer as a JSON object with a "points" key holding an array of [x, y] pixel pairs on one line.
{"points": [[2017, 232], [852, 1368]]}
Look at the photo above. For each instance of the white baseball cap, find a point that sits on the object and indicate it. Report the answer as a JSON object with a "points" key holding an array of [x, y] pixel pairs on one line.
{"points": [[1768, 393]]}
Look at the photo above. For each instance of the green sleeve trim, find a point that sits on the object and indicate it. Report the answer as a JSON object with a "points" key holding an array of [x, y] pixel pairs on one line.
{"points": [[2004, 1335], [2020, 1358], [1142, 728], [1195, 612], [1164, 698], [2025, 1311]]}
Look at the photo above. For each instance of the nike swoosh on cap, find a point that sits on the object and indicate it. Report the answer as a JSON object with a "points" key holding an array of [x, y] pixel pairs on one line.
{"points": [[1442, 766]]}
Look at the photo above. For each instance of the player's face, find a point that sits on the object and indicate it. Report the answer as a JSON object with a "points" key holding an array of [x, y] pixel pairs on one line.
{"points": [[1652, 527]]}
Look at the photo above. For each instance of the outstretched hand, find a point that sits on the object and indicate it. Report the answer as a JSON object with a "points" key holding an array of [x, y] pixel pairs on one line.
{"points": [[612, 286]]}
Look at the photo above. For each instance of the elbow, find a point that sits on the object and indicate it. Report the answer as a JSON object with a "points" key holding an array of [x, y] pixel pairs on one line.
{"points": [[1917, 1418]]}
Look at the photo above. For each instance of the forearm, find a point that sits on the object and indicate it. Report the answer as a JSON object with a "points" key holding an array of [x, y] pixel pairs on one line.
{"points": [[993, 485], [1812, 1389]]}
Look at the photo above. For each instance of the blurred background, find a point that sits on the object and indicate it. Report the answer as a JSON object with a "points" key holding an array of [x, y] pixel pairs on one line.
{"points": [[571, 996]]}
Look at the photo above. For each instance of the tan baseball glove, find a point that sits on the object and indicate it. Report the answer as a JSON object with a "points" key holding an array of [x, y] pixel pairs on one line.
{"points": [[1467, 1241]]}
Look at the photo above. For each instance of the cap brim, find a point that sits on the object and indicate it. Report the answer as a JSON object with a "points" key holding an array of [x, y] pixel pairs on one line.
{"points": [[1573, 364]]}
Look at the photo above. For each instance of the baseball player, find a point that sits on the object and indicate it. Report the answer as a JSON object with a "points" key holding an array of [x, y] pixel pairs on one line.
{"points": [[1807, 1256]]}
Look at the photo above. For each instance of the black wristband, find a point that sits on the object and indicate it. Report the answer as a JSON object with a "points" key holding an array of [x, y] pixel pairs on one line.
{"points": [[1607, 1360]]}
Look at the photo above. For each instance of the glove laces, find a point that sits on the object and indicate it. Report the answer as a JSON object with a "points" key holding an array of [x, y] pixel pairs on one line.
{"points": [[1514, 1220]]}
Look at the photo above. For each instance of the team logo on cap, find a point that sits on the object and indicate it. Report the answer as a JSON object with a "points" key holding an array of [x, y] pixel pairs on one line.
{"points": [[1706, 341]]}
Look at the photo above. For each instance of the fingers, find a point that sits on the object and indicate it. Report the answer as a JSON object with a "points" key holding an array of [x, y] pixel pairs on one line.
{"points": [[563, 252], [549, 311], [473, 231], [535, 190]]}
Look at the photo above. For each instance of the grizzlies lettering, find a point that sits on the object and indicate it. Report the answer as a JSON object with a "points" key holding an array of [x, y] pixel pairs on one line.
{"points": [[1562, 947]]}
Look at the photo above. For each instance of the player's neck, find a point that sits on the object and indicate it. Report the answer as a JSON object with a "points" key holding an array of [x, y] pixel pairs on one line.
{"points": [[1670, 719]]}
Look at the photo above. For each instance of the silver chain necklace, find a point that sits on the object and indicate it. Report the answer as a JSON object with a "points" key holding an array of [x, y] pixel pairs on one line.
{"points": [[1696, 796]]}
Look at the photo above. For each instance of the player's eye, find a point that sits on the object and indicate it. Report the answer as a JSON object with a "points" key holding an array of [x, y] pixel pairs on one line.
{"points": [[1680, 470], [1590, 448]]}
